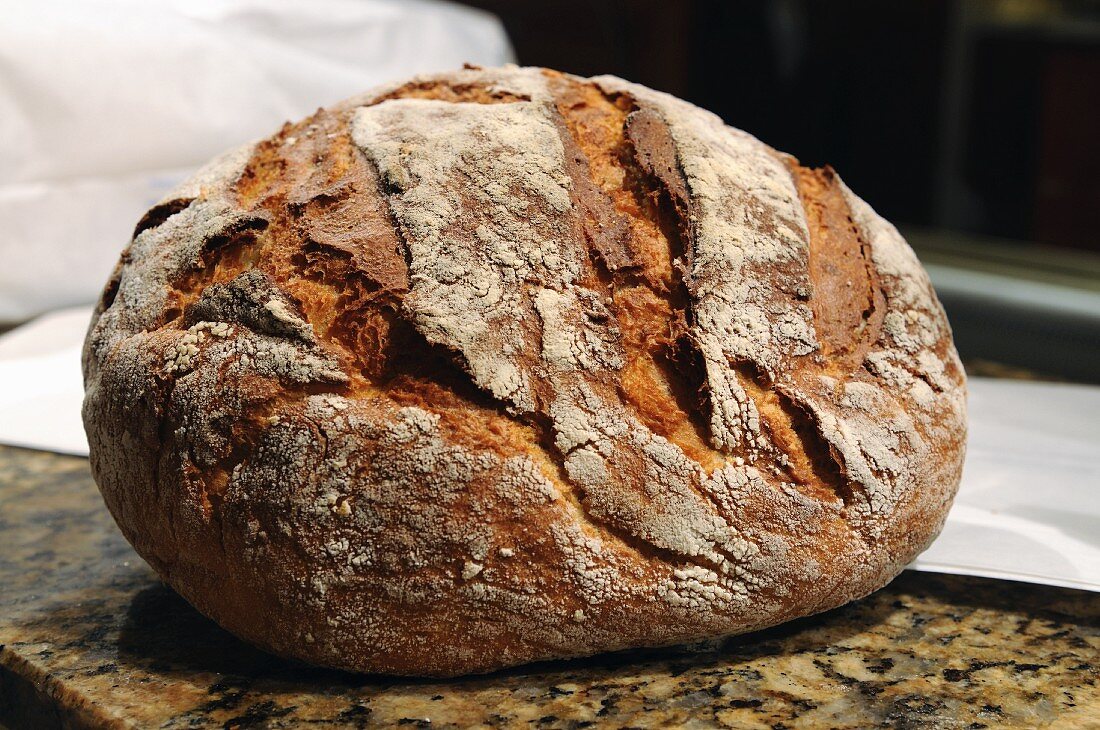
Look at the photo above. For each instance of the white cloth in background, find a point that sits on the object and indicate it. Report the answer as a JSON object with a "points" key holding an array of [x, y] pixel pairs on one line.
{"points": [[105, 105], [1028, 508]]}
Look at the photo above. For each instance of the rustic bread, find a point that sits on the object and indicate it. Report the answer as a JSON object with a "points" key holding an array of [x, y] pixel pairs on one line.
{"points": [[506, 365]]}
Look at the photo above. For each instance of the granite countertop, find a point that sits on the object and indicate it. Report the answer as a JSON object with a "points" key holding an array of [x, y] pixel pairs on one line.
{"points": [[90, 638]]}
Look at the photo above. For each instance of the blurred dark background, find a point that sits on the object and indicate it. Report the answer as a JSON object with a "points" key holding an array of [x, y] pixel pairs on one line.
{"points": [[981, 116], [972, 124]]}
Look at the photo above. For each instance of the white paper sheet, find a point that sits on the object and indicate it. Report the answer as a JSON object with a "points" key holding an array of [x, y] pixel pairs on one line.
{"points": [[41, 385], [1028, 508], [1029, 505]]}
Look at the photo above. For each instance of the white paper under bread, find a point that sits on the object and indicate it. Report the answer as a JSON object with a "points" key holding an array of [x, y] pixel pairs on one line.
{"points": [[1028, 508], [1029, 505]]}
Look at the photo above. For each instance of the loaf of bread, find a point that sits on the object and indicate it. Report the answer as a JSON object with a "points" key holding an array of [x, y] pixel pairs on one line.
{"points": [[506, 365]]}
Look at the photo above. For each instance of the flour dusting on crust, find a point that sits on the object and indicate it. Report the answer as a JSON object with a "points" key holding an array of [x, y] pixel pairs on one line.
{"points": [[357, 390]]}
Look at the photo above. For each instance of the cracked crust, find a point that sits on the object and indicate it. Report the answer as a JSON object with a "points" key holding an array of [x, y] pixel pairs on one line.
{"points": [[507, 365]]}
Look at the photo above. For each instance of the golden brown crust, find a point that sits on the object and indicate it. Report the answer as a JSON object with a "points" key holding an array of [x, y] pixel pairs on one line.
{"points": [[505, 365]]}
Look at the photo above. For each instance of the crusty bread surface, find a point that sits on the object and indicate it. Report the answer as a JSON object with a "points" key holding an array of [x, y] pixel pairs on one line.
{"points": [[504, 365]]}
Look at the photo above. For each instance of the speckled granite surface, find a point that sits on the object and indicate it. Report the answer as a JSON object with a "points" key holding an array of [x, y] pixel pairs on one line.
{"points": [[90, 638]]}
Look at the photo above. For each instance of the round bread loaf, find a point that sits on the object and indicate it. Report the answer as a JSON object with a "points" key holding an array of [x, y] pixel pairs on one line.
{"points": [[506, 365]]}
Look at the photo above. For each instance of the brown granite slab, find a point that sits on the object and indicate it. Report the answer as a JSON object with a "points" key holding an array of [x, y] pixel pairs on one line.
{"points": [[90, 638]]}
